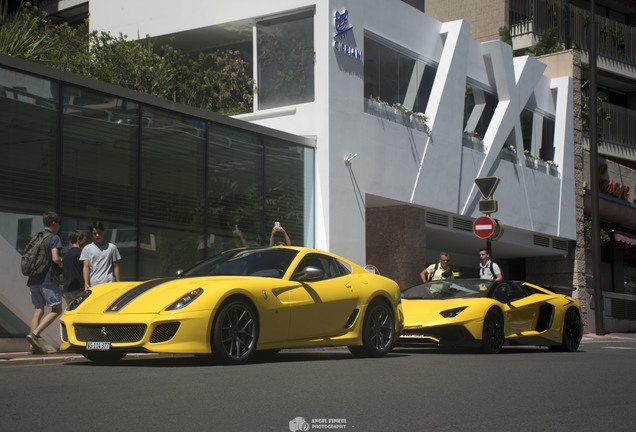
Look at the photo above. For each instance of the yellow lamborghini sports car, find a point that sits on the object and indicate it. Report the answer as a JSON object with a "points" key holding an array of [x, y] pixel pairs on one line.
{"points": [[237, 304], [486, 314]]}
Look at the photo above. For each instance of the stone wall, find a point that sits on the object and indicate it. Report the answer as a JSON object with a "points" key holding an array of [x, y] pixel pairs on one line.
{"points": [[485, 16], [396, 242], [569, 270]]}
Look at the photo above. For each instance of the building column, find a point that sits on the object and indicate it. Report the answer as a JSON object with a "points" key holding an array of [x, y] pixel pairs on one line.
{"points": [[396, 242]]}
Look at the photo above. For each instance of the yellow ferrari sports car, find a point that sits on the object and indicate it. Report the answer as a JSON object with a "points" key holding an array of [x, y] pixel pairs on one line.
{"points": [[487, 314], [237, 304]]}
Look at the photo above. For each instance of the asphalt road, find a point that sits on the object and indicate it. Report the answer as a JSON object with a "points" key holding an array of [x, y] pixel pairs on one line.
{"points": [[410, 390]]}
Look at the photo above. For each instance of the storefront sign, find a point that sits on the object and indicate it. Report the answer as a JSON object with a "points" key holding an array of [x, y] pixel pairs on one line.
{"points": [[609, 187], [342, 28]]}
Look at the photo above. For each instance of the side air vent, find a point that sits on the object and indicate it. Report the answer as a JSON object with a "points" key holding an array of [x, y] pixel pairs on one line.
{"points": [[559, 244], [437, 219], [463, 224], [352, 318], [541, 241], [546, 315]]}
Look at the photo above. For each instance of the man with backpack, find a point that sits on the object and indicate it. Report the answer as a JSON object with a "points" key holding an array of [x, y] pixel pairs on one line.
{"points": [[488, 269], [44, 284], [440, 270]]}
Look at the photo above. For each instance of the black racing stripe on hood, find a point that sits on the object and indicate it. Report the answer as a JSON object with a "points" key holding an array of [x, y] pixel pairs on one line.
{"points": [[134, 293]]}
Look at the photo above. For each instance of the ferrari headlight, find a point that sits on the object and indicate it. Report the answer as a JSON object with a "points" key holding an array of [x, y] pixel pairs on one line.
{"points": [[452, 313], [78, 300], [186, 299]]}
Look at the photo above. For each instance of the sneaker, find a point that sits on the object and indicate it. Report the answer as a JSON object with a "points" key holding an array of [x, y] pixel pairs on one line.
{"points": [[34, 340]]}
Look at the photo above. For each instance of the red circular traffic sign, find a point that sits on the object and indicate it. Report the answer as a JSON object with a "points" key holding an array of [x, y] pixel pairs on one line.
{"points": [[373, 269], [484, 227]]}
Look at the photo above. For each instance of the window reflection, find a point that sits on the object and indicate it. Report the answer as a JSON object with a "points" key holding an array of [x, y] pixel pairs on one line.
{"points": [[235, 189], [171, 169], [286, 60], [99, 156], [28, 141], [479, 107], [285, 196], [395, 77]]}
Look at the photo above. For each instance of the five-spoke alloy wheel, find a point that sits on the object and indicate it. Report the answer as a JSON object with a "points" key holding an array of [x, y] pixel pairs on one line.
{"points": [[378, 331], [235, 332], [493, 336]]}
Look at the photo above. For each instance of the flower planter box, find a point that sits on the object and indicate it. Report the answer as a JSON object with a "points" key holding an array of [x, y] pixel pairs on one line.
{"points": [[394, 115], [530, 162], [508, 155], [542, 167]]}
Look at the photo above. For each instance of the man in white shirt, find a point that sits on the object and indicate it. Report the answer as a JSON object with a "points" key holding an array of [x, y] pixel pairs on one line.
{"points": [[100, 259], [488, 269]]}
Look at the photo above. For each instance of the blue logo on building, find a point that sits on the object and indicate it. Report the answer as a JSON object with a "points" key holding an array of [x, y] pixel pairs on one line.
{"points": [[342, 27], [342, 22]]}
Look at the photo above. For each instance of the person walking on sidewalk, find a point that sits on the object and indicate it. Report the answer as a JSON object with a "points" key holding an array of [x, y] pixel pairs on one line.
{"points": [[45, 287]]}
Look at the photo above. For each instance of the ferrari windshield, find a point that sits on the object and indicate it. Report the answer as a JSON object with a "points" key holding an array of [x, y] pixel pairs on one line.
{"points": [[264, 262], [448, 288]]}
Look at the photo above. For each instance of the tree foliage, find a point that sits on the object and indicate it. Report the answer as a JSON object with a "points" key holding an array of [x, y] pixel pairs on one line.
{"points": [[217, 81], [504, 35]]}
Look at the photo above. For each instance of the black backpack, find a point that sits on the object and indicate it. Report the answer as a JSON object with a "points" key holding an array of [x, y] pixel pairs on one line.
{"points": [[34, 259], [448, 274]]}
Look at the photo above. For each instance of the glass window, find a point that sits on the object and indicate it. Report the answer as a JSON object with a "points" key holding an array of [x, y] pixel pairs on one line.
{"points": [[395, 77], [235, 189], [172, 191], [547, 139], [172, 169], [285, 189], [526, 129], [479, 107], [285, 60], [164, 251], [29, 131], [325, 263], [99, 159], [424, 92]]}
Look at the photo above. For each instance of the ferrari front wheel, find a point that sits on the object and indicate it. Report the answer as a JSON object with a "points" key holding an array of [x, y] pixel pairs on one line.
{"points": [[235, 332], [572, 332], [378, 331], [493, 337]]}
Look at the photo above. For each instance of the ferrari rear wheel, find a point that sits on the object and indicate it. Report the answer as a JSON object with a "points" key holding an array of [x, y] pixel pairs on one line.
{"points": [[378, 331], [493, 337], [572, 332], [104, 357], [235, 332]]}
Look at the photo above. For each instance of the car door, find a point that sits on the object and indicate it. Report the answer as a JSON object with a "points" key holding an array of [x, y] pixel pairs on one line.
{"points": [[321, 307], [521, 311]]}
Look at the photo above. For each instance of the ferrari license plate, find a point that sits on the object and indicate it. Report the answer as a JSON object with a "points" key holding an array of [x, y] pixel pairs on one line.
{"points": [[98, 346]]}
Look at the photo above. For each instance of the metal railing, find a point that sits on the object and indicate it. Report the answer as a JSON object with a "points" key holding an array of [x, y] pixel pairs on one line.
{"points": [[621, 128], [615, 41]]}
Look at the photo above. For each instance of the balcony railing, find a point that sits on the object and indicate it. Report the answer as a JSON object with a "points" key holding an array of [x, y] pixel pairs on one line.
{"points": [[621, 129], [615, 41]]}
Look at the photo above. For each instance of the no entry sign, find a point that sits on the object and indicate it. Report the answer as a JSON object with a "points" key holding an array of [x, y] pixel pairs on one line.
{"points": [[484, 227]]}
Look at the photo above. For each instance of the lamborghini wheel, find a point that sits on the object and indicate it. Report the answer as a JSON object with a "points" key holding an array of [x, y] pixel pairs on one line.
{"points": [[572, 332], [104, 357], [235, 332], [493, 337], [378, 331]]}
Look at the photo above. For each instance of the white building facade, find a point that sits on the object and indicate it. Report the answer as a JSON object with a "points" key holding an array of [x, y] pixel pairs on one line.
{"points": [[349, 63]]}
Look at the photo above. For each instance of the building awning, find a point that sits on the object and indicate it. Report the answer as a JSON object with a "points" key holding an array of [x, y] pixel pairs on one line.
{"points": [[625, 238]]}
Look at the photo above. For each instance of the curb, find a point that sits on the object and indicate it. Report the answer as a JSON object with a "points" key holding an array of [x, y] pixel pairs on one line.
{"points": [[26, 359]]}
